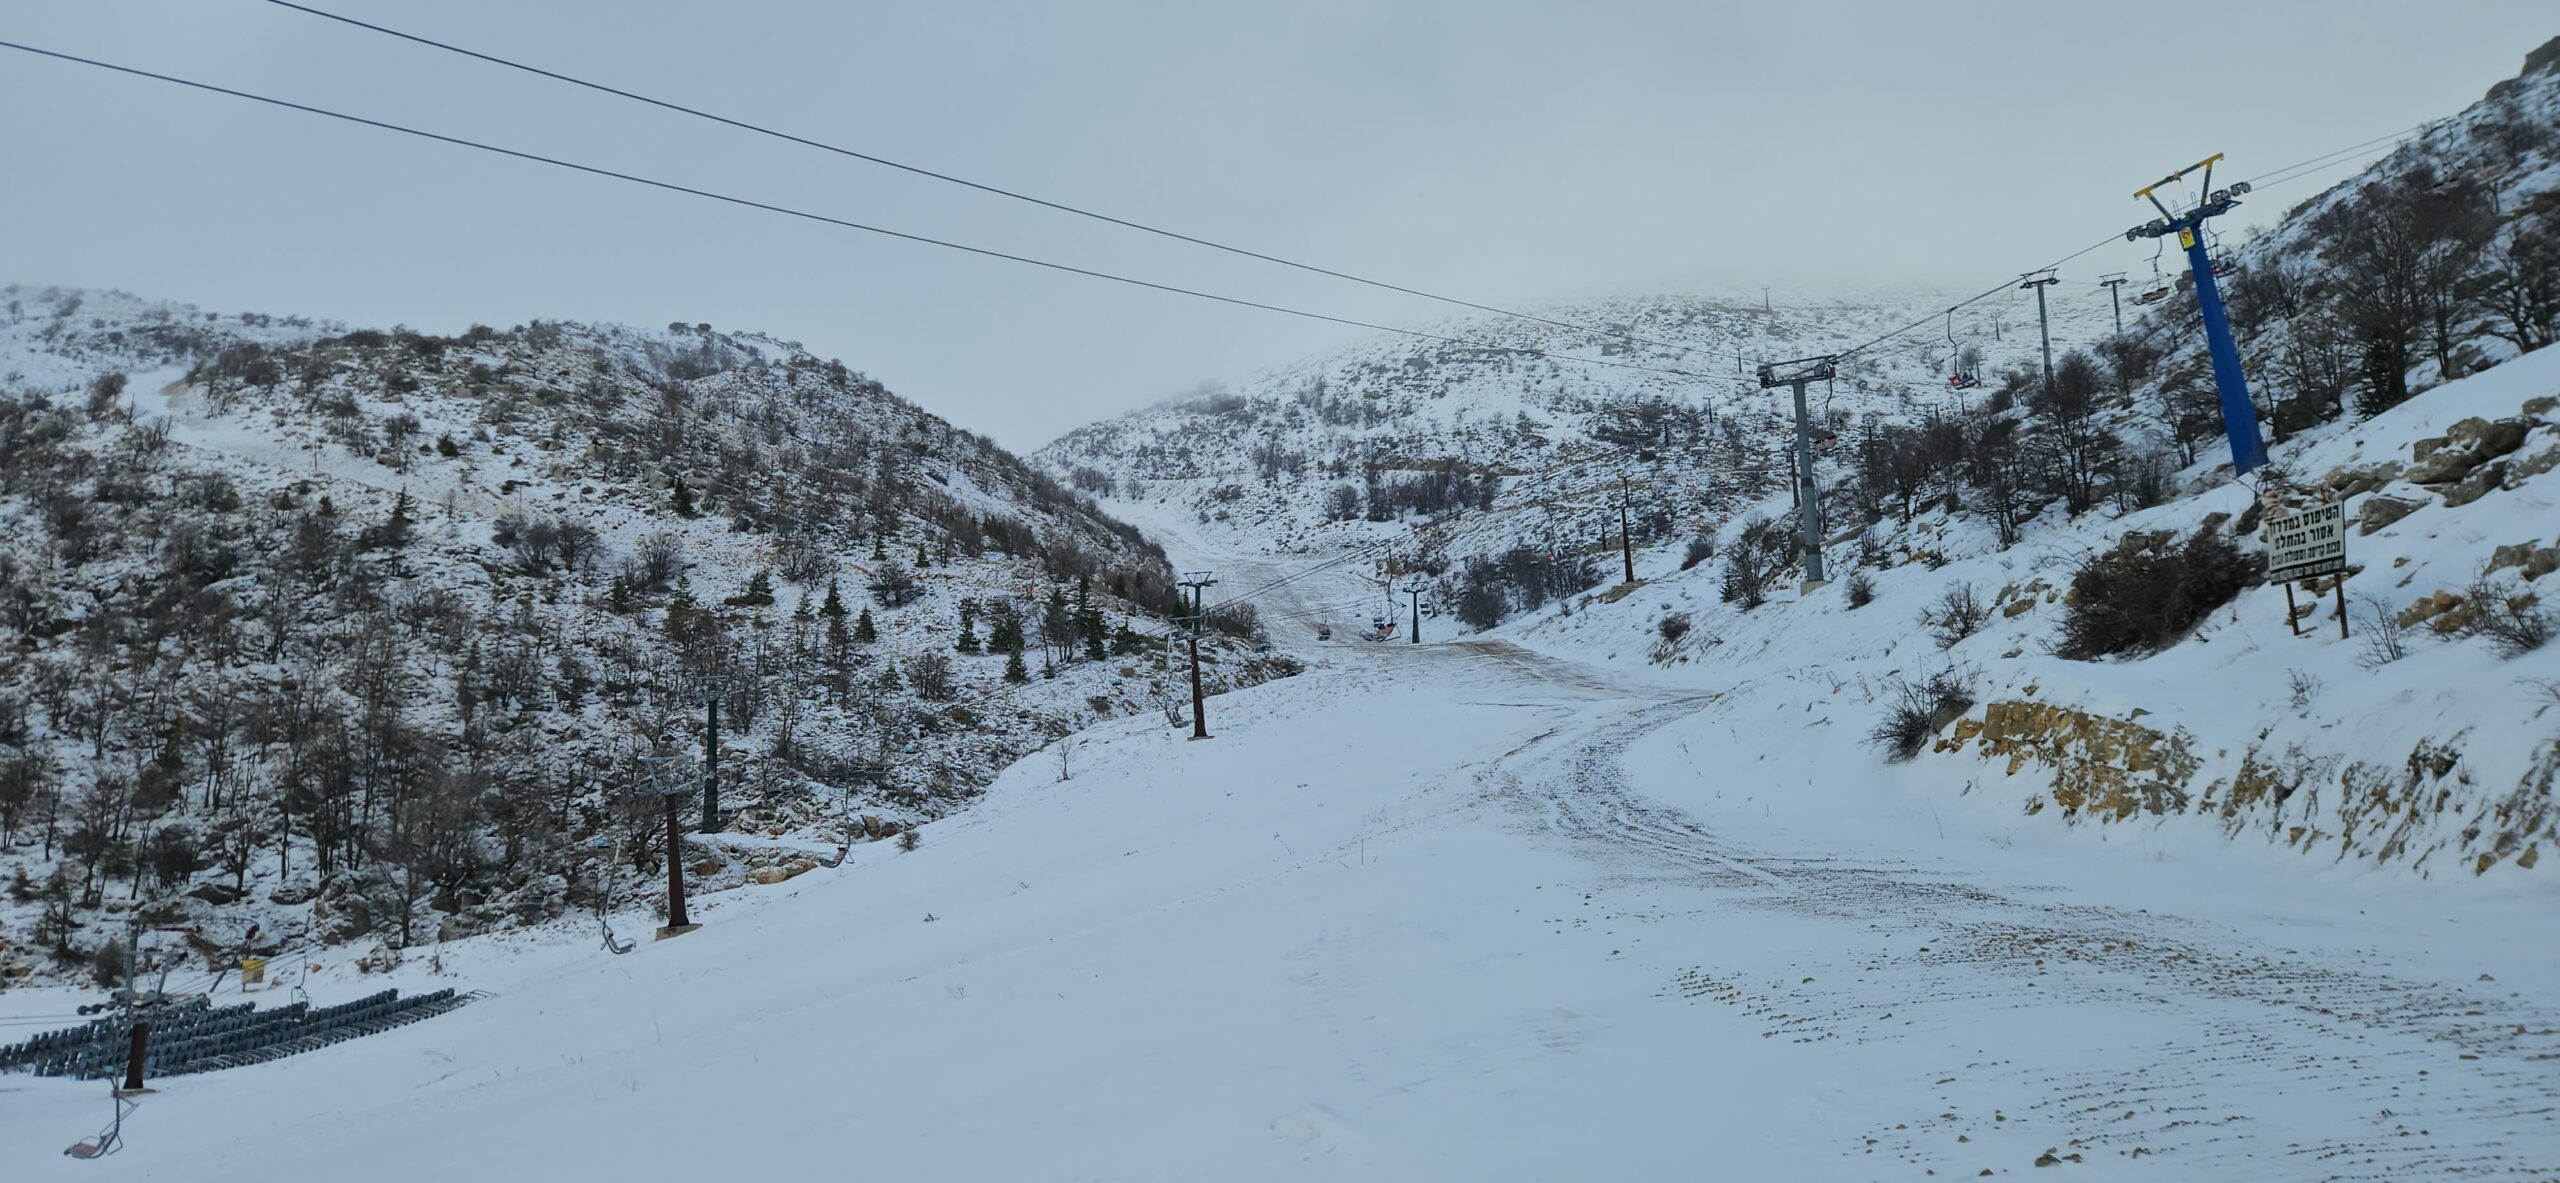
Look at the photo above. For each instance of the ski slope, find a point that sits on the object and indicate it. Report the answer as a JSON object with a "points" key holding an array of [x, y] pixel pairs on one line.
{"points": [[1455, 911]]}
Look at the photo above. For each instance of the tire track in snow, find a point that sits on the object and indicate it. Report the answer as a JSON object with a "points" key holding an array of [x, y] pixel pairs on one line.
{"points": [[2179, 1040]]}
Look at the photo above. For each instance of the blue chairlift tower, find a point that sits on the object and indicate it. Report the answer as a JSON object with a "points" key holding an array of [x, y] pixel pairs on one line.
{"points": [[2239, 415]]}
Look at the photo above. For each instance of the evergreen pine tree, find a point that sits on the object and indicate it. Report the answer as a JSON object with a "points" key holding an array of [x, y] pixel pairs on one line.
{"points": [[395, 531], [1125, 641], [680, 611], [880, 546], [618, 597], [759, 593], [1057, 632], [683, 496], [1014, 670], [1088, 619], [800, 613], [889, 682], [968, 642], [921, 563], [833, 609], [864, 632]]}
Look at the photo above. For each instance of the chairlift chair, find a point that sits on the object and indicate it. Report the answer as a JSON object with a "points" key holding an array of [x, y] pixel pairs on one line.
{"points": [[604, 895], [108, 1140], [844, 818], [2159, 283]]}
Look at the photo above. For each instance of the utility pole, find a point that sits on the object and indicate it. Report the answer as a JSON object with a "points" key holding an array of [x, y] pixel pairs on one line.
{"points": [[2111, 283], [711, 690], [2239, 415], [664, 779], [1413, 588], [2042, 328], [1626, 535], [1764, 299], [137, 1029], [1197, 581], [1797, 374]]}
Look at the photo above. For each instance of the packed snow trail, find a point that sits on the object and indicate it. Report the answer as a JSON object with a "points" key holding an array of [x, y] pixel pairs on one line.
{"points": [[2108, 1031], [1455, 911]]}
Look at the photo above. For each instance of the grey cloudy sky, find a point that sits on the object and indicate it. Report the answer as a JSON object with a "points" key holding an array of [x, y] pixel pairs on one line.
{"points": [[1501, 150]]}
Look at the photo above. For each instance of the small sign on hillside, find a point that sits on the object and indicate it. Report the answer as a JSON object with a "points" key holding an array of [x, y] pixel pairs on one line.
{"points": [[2307, 545]]}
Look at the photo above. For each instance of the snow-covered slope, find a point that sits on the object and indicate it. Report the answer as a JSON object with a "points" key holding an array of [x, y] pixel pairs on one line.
{"points": [[1453, 912], [2006, 492], [278, 595], [1310, 457], [2417, 741]]}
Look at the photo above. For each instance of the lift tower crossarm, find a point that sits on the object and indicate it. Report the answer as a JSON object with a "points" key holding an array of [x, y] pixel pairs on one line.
{"points": [[1797, 374], [2239, 414]]}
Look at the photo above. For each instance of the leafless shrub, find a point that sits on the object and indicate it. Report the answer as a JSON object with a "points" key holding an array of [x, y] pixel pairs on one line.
{"points": [[1957, 615], [2514, 624], [657, 561], [929, 673], [1914, 711], [2304, 688], [2385, 640]]}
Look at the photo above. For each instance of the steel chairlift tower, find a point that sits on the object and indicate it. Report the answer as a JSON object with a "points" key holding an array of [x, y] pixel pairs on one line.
{"points": [[1797, 374], [2239, 415], [2037, 282], [1197, 582]]}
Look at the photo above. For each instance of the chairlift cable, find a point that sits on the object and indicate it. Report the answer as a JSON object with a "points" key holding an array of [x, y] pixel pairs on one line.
{"points": [[2268, 179], [996, 190], [844, 223]]}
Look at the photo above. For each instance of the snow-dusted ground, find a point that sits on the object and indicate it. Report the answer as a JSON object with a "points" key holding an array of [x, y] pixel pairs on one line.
{"points": [[1456, 911]]}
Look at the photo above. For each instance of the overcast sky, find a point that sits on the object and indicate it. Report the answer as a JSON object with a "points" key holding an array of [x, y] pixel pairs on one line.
{"points": [[1493, 149]]}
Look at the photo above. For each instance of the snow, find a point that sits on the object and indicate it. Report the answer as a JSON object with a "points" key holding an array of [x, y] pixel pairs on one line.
{"points": [[1513, 918], [1565, 900], [1533, 906], [1408, 405]]}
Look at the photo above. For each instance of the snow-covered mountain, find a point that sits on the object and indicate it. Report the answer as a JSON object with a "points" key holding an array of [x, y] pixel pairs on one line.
{"points": [[1431, 458], [2085, 527], [1434, 454], [359, 634], [2044, 836]]}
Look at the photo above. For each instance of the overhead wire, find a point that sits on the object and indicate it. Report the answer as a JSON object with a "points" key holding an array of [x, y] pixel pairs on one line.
{"points": [[981, 186], [2277, 176], [845, 223], [2265, 180]]}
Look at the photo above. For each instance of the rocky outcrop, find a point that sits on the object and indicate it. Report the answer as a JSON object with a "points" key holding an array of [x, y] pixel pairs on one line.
{"points": [[2377, 512], [2424, 813], [2108, 768], [2532, 561], [2463, 448]]}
